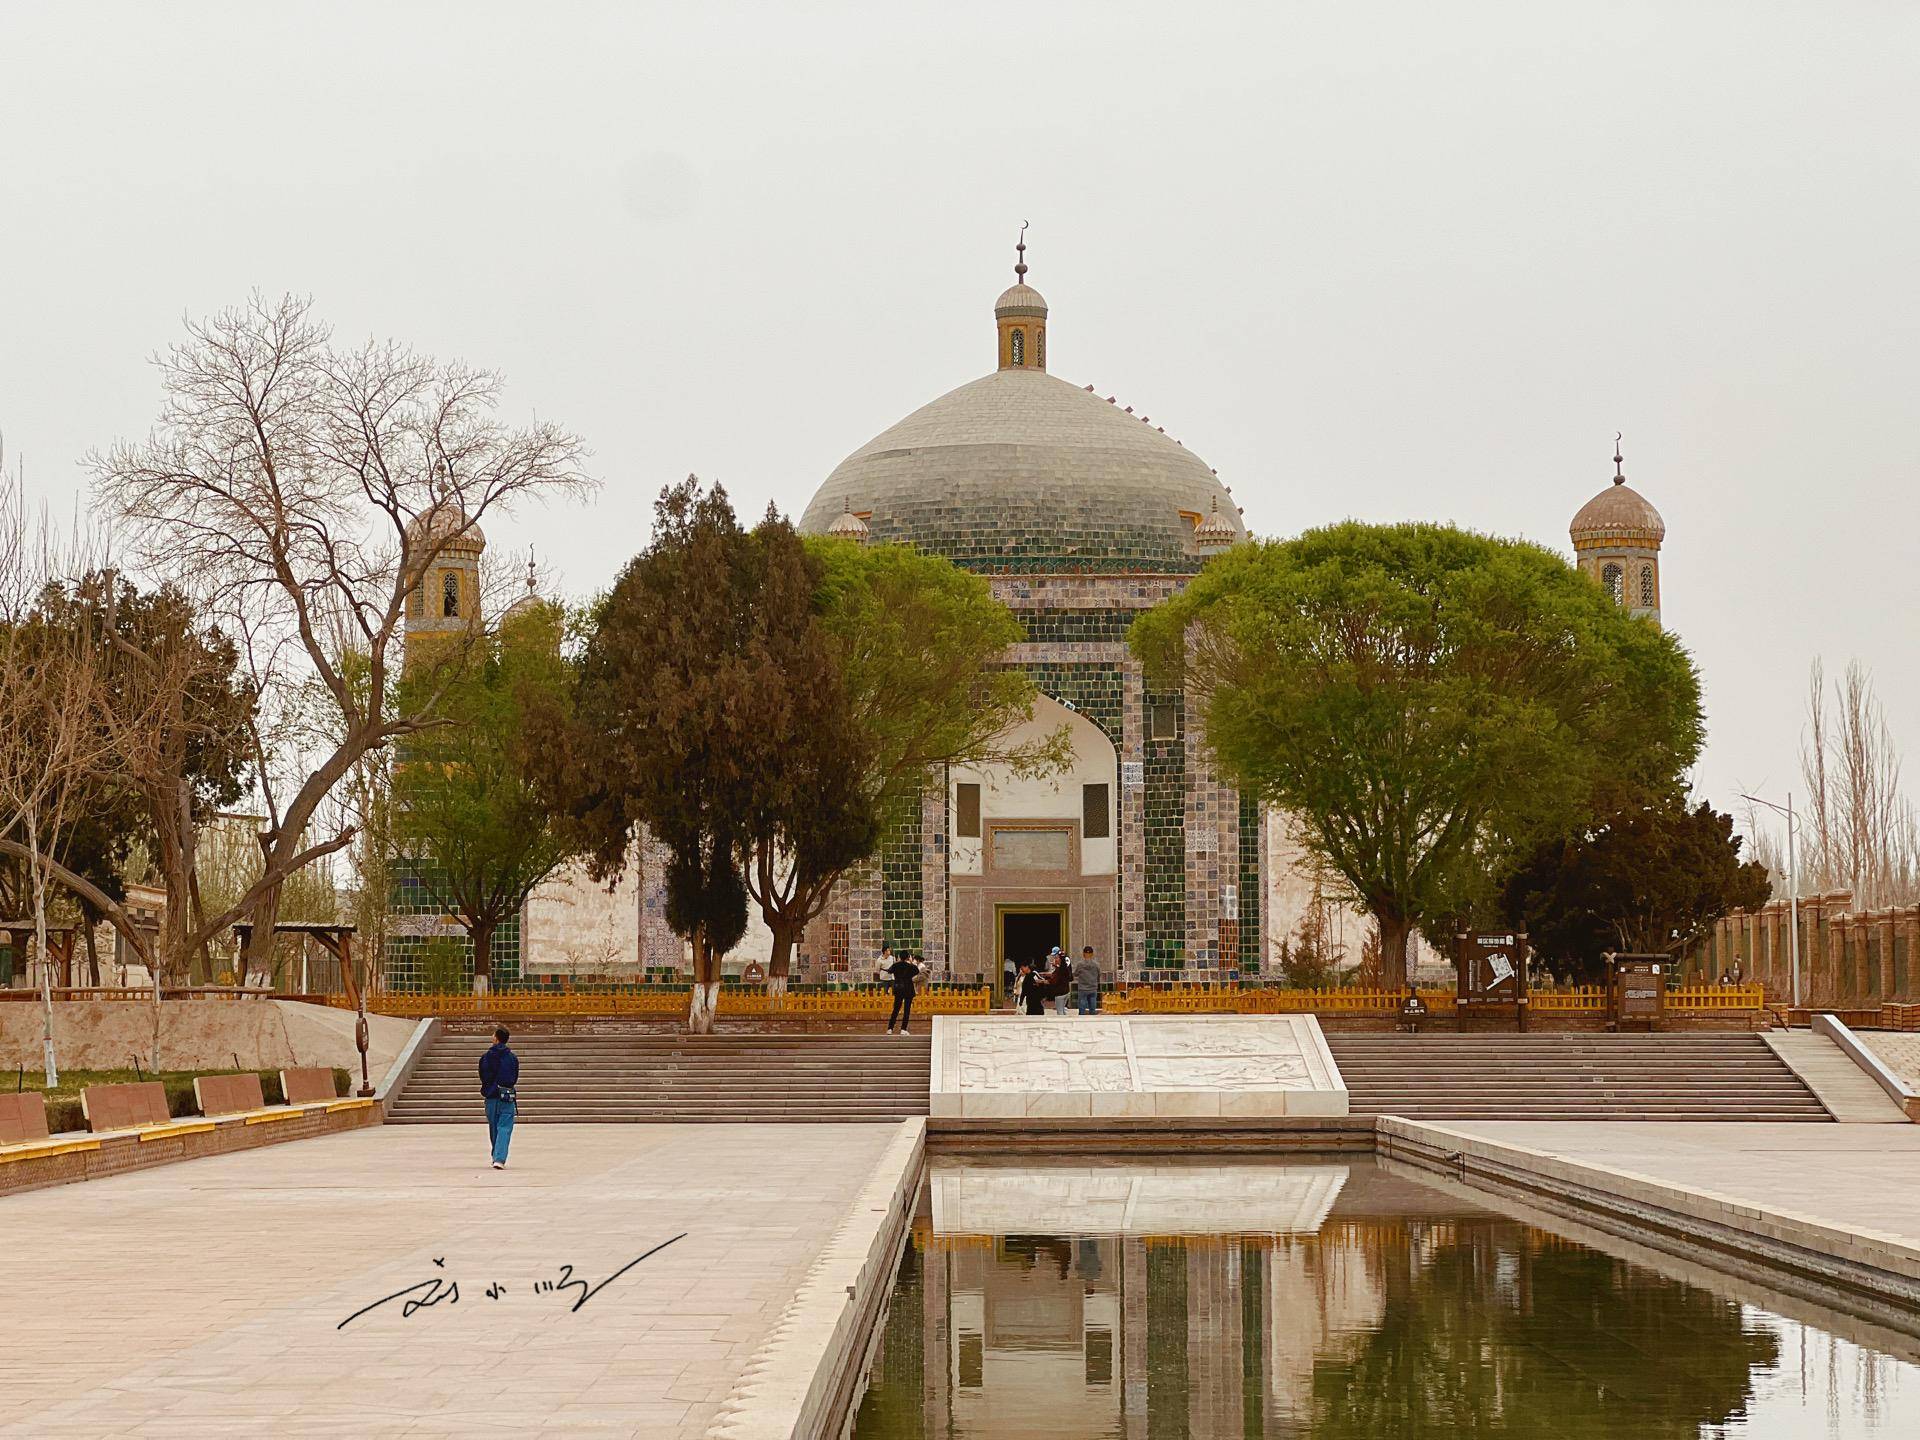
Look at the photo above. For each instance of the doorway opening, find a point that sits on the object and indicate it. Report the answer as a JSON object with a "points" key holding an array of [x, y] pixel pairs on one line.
{"points": [[1029, 932]]}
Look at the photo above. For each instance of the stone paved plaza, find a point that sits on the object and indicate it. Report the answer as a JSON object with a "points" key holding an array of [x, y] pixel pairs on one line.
{"points": [[204, 1298], [1899, 1053]]}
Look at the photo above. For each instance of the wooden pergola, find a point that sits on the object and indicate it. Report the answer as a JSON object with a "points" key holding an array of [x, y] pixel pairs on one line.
{"points": [[337, 941], [59, 944]]}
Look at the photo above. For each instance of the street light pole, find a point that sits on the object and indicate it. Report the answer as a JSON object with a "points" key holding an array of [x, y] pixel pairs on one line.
{"points": [[1793, 899], [1793, 885]]}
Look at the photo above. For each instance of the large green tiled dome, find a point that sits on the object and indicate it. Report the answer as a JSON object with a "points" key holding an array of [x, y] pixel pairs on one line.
{"points": [[1020, 471]]}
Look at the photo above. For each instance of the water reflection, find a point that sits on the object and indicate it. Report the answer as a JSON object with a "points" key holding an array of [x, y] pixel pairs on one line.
{"points": [[1148, 1301]]}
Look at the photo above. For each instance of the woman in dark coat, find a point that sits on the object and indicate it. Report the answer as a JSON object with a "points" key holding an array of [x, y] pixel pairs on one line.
{"points": [[1033, 991]]}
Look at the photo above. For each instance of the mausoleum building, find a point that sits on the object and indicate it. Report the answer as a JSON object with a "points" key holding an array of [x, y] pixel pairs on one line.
{"points": [[1081, 514]]}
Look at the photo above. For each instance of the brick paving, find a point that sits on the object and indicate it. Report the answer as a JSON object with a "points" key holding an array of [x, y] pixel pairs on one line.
{"points": [[1899, 1052], [204, 1299]]}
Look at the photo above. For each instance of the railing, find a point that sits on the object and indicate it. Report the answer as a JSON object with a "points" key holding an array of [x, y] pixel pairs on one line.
{"points": [[1229, 998], [145, 992], [1161, 998], [661, 1000]]}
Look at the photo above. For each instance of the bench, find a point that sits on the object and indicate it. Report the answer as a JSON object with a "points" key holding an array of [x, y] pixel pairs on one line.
{"points": [[23, 1117], [122, 1107], [228, 1094], [308, 1085]]}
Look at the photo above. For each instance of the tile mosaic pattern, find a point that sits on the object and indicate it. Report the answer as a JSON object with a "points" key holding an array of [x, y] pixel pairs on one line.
{"points": [[1163, 794], [1020, 471], [903, 855], [1253, 869], [414, 920]]}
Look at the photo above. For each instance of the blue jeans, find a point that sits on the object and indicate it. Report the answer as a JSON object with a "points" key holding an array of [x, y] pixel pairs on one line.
{"points": [[500, 1118], [1089, 1001]]}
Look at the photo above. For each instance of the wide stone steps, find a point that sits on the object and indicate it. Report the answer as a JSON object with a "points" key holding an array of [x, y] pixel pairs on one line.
{"points": [[1571, 1077], [653, 1078]]}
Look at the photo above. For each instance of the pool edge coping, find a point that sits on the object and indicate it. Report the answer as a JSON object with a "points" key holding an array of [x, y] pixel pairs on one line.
{"points": [[803, 1377], [1872, 1262]]}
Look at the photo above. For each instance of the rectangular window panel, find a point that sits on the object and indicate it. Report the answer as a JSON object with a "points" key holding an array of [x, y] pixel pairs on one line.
{"points": [[1099, 1351], [1162, 721], [972, 1360], [966, 819], [1093, 812]]}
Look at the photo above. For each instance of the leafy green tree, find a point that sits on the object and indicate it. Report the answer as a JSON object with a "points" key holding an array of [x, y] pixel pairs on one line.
{"points": [[682, 704], [1429, 704], [1583, 1345], [471, 827], [914, 680], [1650, 875]]}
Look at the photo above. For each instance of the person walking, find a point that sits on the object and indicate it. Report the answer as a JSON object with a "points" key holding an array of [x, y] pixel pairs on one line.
{"points": [[1009, 973], [903, 972], [499, 1084], [1086, 979]]}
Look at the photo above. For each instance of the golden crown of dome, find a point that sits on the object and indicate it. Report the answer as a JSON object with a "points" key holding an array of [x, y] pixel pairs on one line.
{"points": [[1618, 512]]}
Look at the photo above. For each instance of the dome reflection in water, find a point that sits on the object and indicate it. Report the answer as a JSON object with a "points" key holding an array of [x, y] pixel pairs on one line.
{"points": [[1373, 1301]]}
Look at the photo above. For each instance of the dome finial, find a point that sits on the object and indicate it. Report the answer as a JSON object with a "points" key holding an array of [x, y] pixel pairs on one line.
{"points": [[1020, 253], [531, 584], [1619, 475], [850, 526]]}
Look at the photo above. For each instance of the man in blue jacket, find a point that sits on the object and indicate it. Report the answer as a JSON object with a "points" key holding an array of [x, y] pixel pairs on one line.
{"points": [[499, 1075]]}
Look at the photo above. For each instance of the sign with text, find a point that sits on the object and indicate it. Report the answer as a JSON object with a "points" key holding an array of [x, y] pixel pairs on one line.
{"points": [[1637, 987], [1492, 966]]}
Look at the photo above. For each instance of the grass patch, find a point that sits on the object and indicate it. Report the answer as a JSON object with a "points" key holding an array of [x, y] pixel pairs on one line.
{"points": [[63, 1100]]}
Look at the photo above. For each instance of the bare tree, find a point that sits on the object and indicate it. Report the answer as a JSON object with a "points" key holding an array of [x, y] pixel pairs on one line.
{"points": [[50, 739], [1861, 831], [307, 489]]}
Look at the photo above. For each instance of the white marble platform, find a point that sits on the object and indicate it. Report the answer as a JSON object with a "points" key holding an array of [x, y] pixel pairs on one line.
{"points": [[1141, 1197], [1132, 1066]]}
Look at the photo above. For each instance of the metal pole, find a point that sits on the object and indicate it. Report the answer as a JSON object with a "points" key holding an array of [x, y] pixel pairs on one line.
{"points": [[1793, 900]]}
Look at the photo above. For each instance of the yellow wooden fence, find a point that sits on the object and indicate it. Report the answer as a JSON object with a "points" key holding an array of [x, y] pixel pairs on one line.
{"points": [[969, 1000], [1172, 999]]}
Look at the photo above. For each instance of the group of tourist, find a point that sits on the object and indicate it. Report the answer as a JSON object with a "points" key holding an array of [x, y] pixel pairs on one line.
{"points": [[1071, 984], [1068, 983]]}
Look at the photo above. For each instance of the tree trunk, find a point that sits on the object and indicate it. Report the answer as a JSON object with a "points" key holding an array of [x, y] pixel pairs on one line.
{"points": [[52, 1064], [258, 954], [780, 964], [704, 1001], [482, 957], [1394, 931], [93, 950]]}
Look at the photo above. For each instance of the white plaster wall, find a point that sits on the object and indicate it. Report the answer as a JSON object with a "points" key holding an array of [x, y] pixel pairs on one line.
{"points": [[574, 926], [1290, 887], [1004, 796]]}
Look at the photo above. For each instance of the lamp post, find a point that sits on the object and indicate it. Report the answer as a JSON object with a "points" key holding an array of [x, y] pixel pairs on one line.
{"points": [[1793, 885]]}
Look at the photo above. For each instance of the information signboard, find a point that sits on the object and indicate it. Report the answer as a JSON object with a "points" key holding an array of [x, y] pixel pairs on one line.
{"points": [[1492, 970], [1637, 988]]}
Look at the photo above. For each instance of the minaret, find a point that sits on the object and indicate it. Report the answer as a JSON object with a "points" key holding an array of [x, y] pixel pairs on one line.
{"points": [[1021, 315], [445, 605], [1616, 540]]}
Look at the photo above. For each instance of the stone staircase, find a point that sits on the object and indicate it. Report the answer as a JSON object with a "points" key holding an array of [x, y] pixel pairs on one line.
{"points": [[1570, 1077], [612, 1077]]}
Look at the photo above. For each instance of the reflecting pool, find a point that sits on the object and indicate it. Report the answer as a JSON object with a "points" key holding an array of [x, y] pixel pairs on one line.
{"points": [[1337, 1298]]}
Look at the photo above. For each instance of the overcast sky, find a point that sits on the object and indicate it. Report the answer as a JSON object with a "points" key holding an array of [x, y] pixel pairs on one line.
{"points": [[1372, 261]]}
